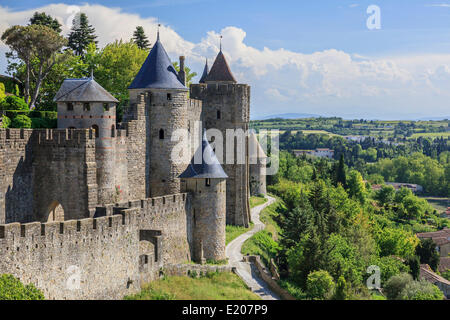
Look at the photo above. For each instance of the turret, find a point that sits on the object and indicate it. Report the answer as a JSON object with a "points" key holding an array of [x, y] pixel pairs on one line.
{"points": [[83, 103], [166, 112], [206, 181]]}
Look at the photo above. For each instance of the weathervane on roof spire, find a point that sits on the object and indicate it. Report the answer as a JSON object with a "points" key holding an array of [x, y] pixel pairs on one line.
{"points": [[92, 74], [221, 42]]}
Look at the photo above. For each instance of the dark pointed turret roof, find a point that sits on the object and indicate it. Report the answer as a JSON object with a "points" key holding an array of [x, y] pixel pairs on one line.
{"points": [[210, 168], [82, 90], [220, 71], [205, 73], [157, 72]]}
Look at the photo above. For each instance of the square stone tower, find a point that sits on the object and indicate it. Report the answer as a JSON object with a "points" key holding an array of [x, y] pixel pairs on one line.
{"points": [[226, 105]]}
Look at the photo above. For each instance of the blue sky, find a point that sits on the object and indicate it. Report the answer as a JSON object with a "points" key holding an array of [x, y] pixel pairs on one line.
{"points": [[328, 61]]}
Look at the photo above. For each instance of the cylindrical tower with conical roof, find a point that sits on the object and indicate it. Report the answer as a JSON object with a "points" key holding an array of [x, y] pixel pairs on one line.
{"points": [[166, 112], [207, 183]]}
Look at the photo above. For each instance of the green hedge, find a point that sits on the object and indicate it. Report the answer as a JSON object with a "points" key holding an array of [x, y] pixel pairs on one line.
{"points": [[31, 114]]}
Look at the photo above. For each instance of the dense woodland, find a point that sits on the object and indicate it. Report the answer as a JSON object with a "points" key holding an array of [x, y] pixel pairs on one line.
{"points": [[329, 227]]}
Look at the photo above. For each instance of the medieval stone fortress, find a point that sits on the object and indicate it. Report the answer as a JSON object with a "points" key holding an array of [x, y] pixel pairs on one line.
{"points": [[106, 200]]}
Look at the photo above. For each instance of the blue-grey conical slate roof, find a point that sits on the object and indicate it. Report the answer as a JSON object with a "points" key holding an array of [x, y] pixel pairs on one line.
{"points": [[210, 168], [157, 72], [205, 73]]}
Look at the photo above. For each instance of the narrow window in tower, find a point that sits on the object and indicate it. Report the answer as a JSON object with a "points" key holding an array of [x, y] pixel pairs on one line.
{"points": [[97, 132], [86, 106], [169, 97], [69, 106], [161, 134], [208, 182], [219, 116], [113, 131], [105, 107]]}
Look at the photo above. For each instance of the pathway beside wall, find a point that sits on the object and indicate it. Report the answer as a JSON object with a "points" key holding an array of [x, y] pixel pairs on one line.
{"points": [[246, 270]]}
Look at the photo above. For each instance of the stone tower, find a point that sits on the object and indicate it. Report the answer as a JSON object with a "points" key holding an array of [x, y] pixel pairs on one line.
{"points": [[166, 109], [257, 160], [83, 103], [206, 182], [226, 105]]}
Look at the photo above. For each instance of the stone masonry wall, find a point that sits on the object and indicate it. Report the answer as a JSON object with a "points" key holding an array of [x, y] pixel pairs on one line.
{"points": [[16, 194], [84, 259], [64, 172]]}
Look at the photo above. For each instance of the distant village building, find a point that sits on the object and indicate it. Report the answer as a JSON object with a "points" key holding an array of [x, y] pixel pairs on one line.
{"points": [[441, 238], [416, 188], [320, 153], [443, 284]]}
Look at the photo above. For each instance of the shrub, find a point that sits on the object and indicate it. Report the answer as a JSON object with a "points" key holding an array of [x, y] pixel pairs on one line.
{"points": [[396, 284], [421, 290], [2, 91], [12, 289], [6, 122], [319, 285], [21, 121], [13, 103]]}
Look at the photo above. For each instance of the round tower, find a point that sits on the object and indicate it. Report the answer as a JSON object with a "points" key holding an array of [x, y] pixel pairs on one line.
{"points": [[84, 104], [166, 112], [206, 181]]}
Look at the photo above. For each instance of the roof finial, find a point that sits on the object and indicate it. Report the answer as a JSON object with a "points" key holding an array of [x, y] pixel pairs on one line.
{"points": [[221, 42], [92, 74], [159, 25]]}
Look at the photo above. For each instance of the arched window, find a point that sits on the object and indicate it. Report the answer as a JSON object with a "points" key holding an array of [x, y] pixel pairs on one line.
{"points": [[97, 132], [208, 182], [113, 131], [161, 134], [219, 115]]}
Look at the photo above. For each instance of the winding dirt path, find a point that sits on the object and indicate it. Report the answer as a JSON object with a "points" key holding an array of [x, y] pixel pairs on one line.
{"points": [[245, 270]]}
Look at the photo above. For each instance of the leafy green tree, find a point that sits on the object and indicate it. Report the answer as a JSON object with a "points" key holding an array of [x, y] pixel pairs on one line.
{"points": [[421, 290], [45, 20], [341, 289], [12, 289], [395, 286], [389, 267], [21, 121], [426, 250], [5, 121], [398, 242], [320, 285], [13, 103], [141, 39], [82, 34], [385, 196], [2, 91], [356, 186], [414, 266], [38, 47]]}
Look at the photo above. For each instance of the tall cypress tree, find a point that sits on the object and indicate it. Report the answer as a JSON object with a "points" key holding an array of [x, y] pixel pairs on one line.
{"points": [[140, 38], [340, 172], [82, 34]]}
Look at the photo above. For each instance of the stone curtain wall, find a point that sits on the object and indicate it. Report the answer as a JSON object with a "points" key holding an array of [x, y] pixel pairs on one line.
{"points": [[102, 251], [64, 172], [16, 194]]}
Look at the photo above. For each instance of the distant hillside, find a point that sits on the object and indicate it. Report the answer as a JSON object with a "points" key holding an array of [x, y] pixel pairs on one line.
{"points": [[288, 116]]}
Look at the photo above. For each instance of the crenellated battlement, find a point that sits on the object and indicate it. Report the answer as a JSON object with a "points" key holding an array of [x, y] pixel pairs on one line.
{"points": [[200, 90], [38, 232], [15, 135], [195, 103], [65, 137]]}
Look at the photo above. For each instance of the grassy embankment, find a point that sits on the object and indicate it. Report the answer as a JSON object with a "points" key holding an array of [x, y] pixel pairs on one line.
{"points": [[212, 286], [232, 232]]}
